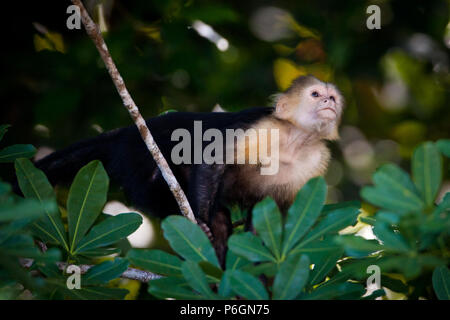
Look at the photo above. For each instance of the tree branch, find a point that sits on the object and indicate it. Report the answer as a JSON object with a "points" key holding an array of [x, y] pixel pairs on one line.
{"points": [[94, 33], [130, 273]]}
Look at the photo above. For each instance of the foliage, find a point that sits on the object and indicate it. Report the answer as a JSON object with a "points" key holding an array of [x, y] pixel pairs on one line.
{"points": [[302, 255], [412, 236], [37, 218]]}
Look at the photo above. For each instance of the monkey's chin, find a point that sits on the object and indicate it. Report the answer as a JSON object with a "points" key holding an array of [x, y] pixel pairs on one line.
{"points": [[326, 114]]}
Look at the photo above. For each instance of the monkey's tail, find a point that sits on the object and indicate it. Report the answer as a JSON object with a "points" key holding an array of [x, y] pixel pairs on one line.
{"points": [[60, 167]]}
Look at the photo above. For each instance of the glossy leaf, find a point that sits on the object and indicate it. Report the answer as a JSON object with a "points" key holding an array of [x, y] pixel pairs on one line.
{"points": [[332, 223], [213, 273], [233, 261], [100, 252], [391, 240], [87, 196], [156, 261], [323, 267], [27, 209], [441, 283], [35, 185], [97, 293], [319, 247], [427, 171], [333, 291], [188, 240], [11, 153], [291, 277], [393, 190], [250, 247], [109, 231], [225, 289], [267, 223], [104, 272], [175, 288], [247, 286], [444, 146], [304, 212], [196, 279]]}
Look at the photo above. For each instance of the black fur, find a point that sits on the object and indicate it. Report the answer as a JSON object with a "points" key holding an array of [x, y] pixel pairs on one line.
{"points": [[129, 163]]}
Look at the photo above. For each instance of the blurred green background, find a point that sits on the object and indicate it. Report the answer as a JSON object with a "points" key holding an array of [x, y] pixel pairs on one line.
{"points": [[191, 55]]}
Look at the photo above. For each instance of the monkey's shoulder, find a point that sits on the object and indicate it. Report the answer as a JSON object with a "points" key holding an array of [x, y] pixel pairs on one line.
{"points": [[217, 120]]}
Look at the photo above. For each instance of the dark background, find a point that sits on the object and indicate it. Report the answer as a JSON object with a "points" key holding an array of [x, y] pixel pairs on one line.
{"points": [[55, 90]]}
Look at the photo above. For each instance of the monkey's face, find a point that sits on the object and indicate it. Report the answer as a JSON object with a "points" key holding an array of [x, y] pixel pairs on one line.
{"points": [[322, 102], [316, 106]]}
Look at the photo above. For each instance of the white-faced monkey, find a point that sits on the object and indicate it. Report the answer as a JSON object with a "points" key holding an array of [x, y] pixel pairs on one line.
{"points": [[305, 115]]}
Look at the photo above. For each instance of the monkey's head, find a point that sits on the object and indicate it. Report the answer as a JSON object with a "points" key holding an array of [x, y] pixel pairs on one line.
{"points": [[312, 105]]}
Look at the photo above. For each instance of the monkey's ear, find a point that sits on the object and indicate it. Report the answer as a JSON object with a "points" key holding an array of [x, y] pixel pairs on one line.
{"points": [[281, 103]]}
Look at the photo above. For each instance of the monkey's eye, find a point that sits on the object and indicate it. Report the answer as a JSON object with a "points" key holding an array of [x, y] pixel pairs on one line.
{"points": [[315, 94], [332, 98]]}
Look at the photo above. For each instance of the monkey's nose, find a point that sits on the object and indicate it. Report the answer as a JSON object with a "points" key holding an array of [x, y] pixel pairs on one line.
{"points": [[325, 100]]}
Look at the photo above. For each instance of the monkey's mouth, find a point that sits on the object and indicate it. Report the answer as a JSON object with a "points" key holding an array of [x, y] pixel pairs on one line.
{"points": [[328, 113]]}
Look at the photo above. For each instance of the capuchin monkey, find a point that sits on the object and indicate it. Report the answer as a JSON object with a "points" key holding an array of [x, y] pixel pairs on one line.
{"points": [[299, 122]]}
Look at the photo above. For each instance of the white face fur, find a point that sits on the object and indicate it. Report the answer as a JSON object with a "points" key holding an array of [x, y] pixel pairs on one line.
{"points": [[316, 107]]}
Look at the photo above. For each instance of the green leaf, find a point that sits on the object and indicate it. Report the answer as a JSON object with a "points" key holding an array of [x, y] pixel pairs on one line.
{"points": [[304, 212], [250, 247], [332, 223], [225, 289], [213, 273], [15, 227], [394, 284], [427, 171], [97, 293], [196, 279], [444, 146], [443, 207], [393, 190], [156, 261], [175, 288], [359, 247], [234, 261], [20, 245], [34, 185], [391, 240], [409, 266], [27, 209], [441, 283], [247, 286], [319, 249], [332, 291], [109, 231], [104, 272], [267, 222], [3, 129], [87, 196], [100, 252], [291, 277], [323, 268], [269, 269], [375, 294], [188, 240], [11, 153]]}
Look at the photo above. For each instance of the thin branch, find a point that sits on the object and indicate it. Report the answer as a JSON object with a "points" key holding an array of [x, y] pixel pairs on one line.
{"points": [[130, 273], [94, 33]]}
